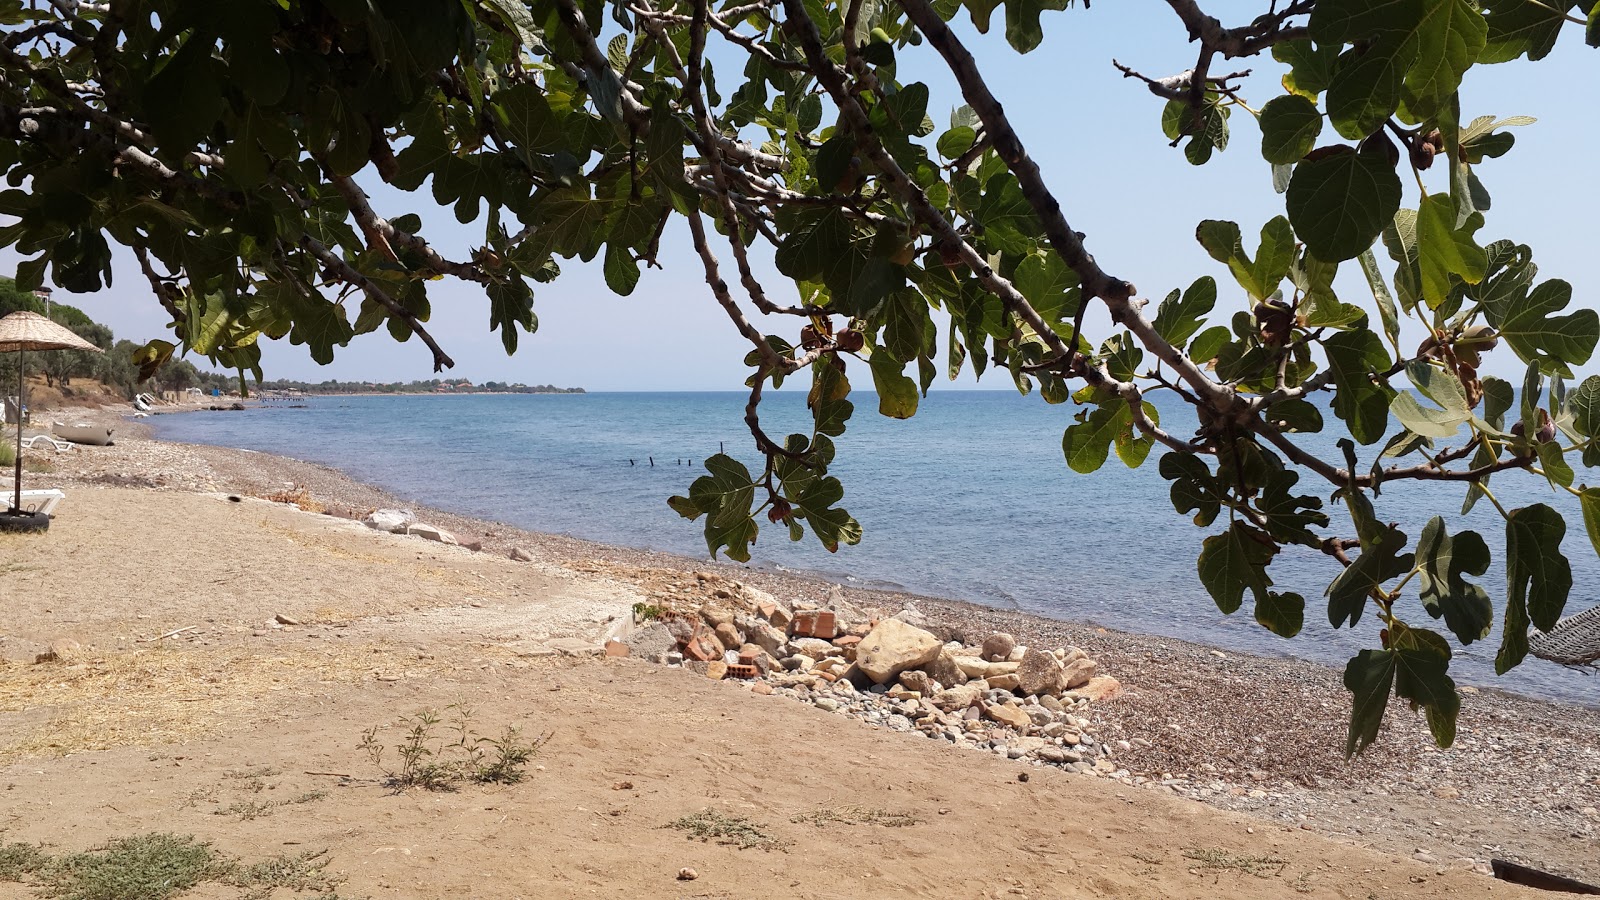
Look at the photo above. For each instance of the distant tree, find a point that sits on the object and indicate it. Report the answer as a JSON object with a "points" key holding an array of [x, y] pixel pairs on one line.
{"points": [[231, 146]]}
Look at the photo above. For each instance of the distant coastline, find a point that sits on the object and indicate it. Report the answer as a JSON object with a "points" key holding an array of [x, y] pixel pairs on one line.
{"points": [[399, 388]]}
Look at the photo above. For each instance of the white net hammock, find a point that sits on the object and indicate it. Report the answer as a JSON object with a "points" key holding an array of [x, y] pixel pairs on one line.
{"points": [[1575, 641]]}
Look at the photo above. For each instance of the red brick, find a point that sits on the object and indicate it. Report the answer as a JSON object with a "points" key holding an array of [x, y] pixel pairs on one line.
{"points": [[827, 626], [701, 646], [742, 671], [748, 657], [815, 623], [616, 648], [849, 640]]}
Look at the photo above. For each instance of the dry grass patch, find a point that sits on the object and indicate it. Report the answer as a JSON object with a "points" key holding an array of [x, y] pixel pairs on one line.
{"points": [[855, 815], [157, 696], [296, 496], [732, 831], [1219, 860]]}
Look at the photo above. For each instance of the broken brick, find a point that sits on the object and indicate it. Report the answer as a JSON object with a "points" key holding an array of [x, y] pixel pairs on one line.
{"points": [[702, 645], [815, 623], [616, 648], [741, 671]]}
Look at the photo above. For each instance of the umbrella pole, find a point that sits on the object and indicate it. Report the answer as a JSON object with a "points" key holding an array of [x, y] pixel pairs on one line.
{"points": [[16, 497]]}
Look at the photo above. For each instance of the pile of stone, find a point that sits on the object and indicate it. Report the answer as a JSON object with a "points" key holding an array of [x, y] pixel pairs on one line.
{"points": [[897, 670]]}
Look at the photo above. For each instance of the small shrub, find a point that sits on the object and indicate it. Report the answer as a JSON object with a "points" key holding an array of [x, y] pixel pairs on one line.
{"points": [[146, 867], [17, 860], [436, 756], [298, 872], [732, 831]]}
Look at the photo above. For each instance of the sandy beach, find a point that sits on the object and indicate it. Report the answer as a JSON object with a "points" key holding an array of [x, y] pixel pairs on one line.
{"points": [[222, 659]]}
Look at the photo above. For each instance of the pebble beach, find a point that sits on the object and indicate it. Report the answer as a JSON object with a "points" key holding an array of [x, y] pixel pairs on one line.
{"points": [[1253, 735]]}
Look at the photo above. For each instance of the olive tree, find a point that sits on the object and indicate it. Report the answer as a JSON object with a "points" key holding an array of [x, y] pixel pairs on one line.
{"points": [[231, 147]]}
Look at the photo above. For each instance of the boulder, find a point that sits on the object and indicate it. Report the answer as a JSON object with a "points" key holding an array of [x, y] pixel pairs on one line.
{"points": [[729, 635], [1041, 673], [431, 532], [1009, 716], [1009, 682], [918, 681], [912, 616], [893, 647], [816, 648], [766, 637], [972, 666], [390, 520], [799, 663], [1077, 673], [997, 647], [716, 670], [1101, 687], [958, 698], [716, 615], [977, 668], [944, 669]]}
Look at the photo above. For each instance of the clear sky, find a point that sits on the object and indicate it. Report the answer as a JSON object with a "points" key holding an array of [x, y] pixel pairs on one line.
{"points": [[1098, 140]]}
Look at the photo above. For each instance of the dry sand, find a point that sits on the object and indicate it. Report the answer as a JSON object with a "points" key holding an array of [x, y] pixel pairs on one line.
{"points": [[191, 733]]}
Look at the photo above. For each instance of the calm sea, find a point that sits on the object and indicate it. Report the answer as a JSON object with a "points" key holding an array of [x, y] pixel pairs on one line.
{"points": [[971, 499]]}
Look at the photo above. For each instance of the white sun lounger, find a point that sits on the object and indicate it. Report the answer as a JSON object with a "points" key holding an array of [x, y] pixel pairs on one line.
{"points": [[60, 446], [42, 501]]}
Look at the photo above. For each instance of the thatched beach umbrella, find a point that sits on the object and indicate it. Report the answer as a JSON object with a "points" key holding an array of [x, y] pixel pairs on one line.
{"points": [[20, 332]]}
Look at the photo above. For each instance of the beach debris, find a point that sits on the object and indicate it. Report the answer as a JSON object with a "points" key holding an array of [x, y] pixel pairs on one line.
{"points": [[173, 633], [687, 874], [616, 648], [282, 619], [521, 555]]}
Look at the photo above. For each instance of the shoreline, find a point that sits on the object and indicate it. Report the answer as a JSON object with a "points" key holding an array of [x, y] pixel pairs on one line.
{"points": [[1258, 734], [876, 587]]}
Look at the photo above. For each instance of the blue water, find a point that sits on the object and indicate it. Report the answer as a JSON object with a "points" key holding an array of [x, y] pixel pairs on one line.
{"points": [[971, 499]]}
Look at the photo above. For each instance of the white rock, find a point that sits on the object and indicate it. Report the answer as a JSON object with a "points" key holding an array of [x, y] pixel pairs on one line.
{"points": [[431, 533], [391, 520]]}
